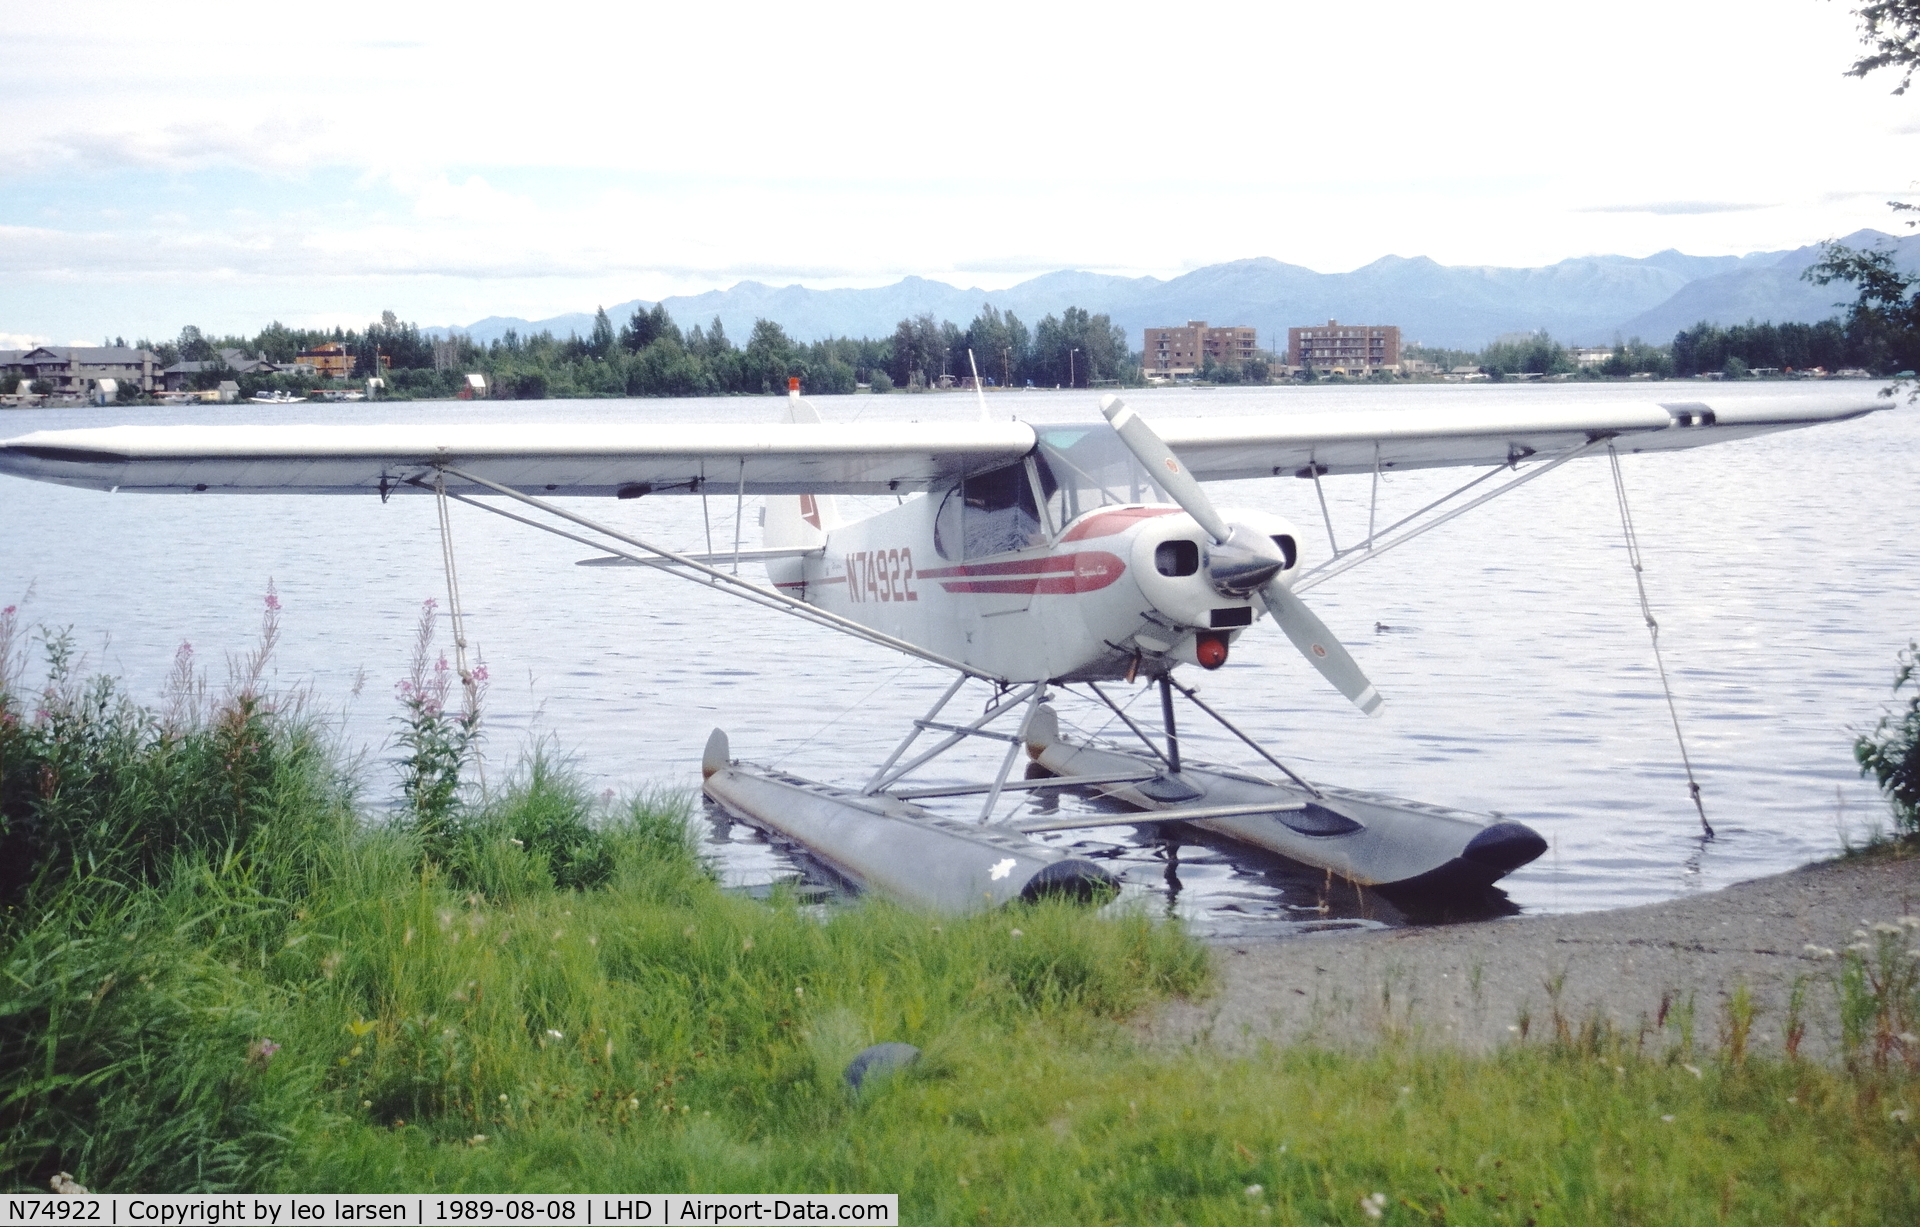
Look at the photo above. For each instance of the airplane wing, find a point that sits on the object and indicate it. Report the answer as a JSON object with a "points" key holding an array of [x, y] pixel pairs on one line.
{"points": [[811, 458], [1458, 431], [559, 459]]}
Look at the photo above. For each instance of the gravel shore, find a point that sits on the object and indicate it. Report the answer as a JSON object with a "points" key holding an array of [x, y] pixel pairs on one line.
{"points": [[1489, 983]]}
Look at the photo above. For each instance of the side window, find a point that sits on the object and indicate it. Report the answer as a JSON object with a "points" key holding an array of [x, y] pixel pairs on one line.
{"points": [[1000, 512], [990, 513]]}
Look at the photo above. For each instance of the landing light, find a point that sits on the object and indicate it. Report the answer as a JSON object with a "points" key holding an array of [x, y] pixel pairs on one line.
{"points": [[1210, 650]]}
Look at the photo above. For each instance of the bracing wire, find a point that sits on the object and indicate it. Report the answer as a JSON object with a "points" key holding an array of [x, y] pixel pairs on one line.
{"points": [[688, 568], [1653, 632], [844, 712]]}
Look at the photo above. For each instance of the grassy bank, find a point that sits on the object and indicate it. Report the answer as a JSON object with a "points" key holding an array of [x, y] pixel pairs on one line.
{"points": [[217, 973]]}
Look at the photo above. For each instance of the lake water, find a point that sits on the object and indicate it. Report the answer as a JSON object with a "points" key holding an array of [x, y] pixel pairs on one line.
{"points": [[1785, 572]]}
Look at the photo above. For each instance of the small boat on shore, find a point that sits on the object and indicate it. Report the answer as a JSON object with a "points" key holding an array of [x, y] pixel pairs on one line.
{"points": [[276, 398]]}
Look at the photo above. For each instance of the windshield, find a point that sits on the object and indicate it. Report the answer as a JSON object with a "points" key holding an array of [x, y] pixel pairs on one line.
{"points": [[1087, 467], [1075, 469]]}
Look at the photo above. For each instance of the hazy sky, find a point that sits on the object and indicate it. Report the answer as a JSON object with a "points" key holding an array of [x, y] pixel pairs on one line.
{"points": [[225, 164]]}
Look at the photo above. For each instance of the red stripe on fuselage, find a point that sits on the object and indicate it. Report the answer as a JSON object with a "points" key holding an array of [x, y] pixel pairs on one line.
{"points": [[1013, 566], [1086, 571], [1107, 523]]}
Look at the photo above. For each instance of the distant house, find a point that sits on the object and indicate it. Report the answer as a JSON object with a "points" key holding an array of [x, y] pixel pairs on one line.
{"points": [[1590, 355], [176, 377], [78, 369], [180, 374], [332, 360]]}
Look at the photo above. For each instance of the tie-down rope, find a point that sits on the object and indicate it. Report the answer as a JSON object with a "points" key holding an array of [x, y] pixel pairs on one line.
{"points": [[454, 614], [1653, 631]]}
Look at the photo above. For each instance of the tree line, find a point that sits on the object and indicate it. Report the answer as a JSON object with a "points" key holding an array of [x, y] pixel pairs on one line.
{"points": [[651, 355], [1537, 353], [1879, 334]]}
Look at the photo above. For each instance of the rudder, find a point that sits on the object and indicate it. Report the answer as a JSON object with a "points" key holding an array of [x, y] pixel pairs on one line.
{"points": [[797, 520]]}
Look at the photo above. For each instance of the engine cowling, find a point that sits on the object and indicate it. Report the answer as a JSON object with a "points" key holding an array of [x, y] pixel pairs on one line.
{"points": [[1196, 584]]}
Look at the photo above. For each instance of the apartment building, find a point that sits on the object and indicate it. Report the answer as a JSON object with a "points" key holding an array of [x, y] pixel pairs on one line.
{"points": [[1352, 349], [1181, 353], [79, 368]]}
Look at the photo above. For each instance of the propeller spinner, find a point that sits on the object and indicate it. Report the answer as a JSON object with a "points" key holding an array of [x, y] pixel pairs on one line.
{"points": [[1242, 561]]}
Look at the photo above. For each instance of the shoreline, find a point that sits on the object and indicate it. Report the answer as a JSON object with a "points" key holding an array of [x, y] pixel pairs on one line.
{"points": [[1642, 971]]}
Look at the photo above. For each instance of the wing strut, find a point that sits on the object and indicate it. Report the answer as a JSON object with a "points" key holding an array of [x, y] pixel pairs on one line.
{"points": [[739, 587], [1354, 555]]}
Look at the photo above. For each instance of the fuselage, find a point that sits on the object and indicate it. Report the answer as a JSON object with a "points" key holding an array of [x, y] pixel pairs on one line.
{"points": [[1039, 570]]}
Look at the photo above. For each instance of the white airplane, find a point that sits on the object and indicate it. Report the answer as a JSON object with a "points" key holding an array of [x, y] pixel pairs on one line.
{"points": [[1043, 558]]}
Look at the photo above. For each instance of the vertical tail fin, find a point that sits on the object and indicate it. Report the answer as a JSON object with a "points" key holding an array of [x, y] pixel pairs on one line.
{"points": [[802, 520]]}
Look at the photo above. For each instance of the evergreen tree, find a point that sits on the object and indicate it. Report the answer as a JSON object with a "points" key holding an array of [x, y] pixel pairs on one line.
{"points": [[600, 342]]}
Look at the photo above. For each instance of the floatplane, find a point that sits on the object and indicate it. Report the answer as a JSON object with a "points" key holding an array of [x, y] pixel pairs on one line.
{"points": [[1042, 560]]}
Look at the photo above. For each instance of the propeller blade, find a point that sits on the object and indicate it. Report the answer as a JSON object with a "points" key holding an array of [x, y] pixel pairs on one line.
{"points": [[1318, 645], [1164, 467], [1307, 631]]}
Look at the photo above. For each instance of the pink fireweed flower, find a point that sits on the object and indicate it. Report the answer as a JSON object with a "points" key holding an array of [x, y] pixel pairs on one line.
{"points": [[480, 673], [273, 602], [261, 1051], [440, 666]]}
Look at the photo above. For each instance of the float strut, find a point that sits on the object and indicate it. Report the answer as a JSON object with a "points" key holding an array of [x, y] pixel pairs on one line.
{"points": [[1033, 699], [1166, 716]]}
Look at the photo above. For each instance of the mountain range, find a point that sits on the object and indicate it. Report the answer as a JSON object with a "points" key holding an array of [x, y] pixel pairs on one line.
{"points": [[1588, 300]]}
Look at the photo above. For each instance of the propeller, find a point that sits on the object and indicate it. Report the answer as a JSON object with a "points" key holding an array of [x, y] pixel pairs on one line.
{"points": [[1243, 561]]}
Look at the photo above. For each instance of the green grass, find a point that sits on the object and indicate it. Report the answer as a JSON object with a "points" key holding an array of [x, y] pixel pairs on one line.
{"points": [[219, 974]]}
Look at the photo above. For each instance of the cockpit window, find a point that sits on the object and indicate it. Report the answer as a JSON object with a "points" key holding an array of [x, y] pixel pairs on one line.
{"points": [[989, 513], [1086, 467], [1076, 468]]}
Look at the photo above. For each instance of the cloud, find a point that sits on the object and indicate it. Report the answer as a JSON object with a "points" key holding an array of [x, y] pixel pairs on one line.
{"points": [[1878, 193], [281, 145], [1679, 208], [1030, 265], [21, 340], [475, 201]]}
